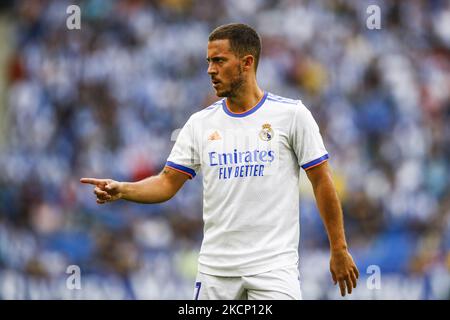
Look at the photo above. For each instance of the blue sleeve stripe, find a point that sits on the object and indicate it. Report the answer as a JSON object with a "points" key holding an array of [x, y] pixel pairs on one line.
{"points": [[315, 162], [181, 168]]}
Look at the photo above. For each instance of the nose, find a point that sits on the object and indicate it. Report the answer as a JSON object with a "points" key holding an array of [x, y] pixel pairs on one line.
{"points": [[211, 69]]}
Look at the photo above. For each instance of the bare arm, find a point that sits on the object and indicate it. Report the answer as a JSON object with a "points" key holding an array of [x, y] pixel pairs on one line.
{"points": [[342, 266], [153, 189]]}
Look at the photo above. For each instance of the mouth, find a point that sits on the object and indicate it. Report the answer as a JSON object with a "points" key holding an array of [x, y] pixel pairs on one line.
{"points": [[215, 83]]}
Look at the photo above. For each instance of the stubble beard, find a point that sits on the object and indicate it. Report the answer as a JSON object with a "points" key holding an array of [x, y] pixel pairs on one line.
{"points": [[235, 86]]}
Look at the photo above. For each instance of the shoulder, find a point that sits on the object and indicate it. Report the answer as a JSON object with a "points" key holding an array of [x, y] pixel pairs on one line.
{"points": [[213, 106], [281, 100], [291, 106], [199, 117], [206, 112]]}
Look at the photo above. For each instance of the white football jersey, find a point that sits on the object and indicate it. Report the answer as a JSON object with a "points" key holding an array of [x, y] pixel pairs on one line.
{"points": [[250, 163]]}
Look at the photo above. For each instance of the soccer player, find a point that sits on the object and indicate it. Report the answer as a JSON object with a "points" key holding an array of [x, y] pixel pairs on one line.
{"points": [[250, 147]]}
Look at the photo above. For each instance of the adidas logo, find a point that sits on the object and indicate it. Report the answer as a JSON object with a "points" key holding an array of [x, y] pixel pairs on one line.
{"points": [[214, 136]]}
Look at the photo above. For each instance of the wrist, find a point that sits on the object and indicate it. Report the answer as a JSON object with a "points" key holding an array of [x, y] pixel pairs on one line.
{"points": [[339, 248], [122, 189]]}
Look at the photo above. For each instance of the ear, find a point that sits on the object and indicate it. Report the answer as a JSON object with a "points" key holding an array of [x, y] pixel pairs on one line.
{"points": [[248, 62]]}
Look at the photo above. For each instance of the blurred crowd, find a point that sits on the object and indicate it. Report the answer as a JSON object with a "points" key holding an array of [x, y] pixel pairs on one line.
{"points": [[106, 101]]}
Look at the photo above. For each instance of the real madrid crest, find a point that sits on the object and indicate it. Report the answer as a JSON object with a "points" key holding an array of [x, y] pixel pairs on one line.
{"points": [[266, 132]]}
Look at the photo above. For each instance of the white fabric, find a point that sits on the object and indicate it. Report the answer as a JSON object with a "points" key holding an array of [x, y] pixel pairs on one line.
{"points": [[250, 165], [277, 284]]}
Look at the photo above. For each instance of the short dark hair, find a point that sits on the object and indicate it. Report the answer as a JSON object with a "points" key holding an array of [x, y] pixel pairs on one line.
{"points": [[243, 39]]}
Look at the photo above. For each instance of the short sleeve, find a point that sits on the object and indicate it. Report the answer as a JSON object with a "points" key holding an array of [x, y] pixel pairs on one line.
{"points": [[306, 140], [184, 156]]}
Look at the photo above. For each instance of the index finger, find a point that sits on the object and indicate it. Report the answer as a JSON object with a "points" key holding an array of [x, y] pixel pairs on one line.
{"points": [[96, 182]]}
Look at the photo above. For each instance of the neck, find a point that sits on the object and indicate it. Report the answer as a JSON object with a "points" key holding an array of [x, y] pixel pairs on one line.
{"points": [[247, 98]]}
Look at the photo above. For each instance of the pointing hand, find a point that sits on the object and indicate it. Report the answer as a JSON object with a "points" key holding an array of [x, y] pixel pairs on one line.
{"points": [[106, 190]]}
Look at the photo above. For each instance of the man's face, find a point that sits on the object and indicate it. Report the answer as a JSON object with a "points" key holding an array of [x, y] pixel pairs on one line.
{"points": [[225, 68]]}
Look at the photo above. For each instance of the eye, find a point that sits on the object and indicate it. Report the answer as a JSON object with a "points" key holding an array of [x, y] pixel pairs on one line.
{"points": [[216, 60]]}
